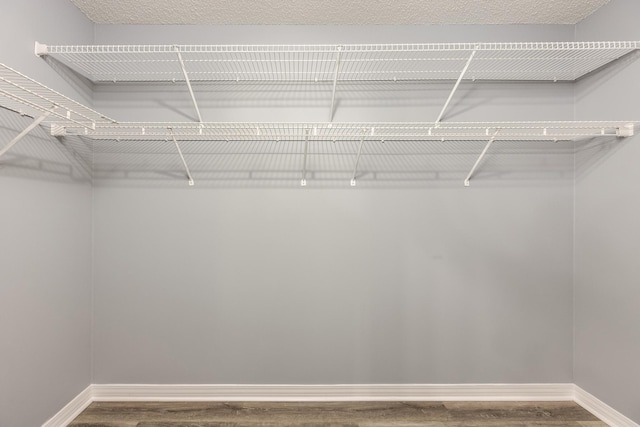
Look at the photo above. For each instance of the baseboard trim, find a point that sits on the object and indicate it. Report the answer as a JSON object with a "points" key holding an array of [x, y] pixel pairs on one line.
{"points": [[72, 409], [601, 410], [343, 392]]}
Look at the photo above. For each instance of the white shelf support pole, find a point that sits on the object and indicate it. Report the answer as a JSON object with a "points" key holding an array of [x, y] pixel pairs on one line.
{"points": [[475, 166], [303, 181], [335, 83], [355, 167], [455, 87], [28, 129], [173, 136], [186, 78]]}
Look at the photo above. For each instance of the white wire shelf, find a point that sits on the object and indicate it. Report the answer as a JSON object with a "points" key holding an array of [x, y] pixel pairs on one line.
{"points": [[545, 61], [378, 131], [28, 97]]}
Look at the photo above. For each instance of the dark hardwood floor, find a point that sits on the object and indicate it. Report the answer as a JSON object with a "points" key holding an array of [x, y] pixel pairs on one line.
{"points": [[334, 414]]}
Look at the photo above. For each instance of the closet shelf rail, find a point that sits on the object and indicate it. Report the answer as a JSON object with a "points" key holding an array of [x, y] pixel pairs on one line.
{"points": [[340, 131], [546, 61]]}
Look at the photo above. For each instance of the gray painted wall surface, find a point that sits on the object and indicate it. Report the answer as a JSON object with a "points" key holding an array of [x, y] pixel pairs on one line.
{"points": [[45, 243], [333, 286], [607, 291], [438, 284]]}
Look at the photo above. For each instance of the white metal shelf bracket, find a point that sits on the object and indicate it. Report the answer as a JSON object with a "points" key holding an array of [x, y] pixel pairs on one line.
{"points": [[455, 87], [186, 78], [355, 167], [475, 166], [41, 49], [28, 129], [335, 83], [303, 182], [173, 136]]}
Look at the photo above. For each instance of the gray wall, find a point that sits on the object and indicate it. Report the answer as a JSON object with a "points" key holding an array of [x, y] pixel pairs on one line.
{"points": [[436, 283], [45, 242], [607, 295]]}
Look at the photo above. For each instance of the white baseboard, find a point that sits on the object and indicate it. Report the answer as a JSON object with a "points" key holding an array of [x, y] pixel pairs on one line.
{"points": [[343, 392], [72, 409], [601, 410]]}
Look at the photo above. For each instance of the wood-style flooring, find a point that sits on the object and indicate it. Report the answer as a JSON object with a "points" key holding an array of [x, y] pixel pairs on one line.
{"points": [[338, 414]]}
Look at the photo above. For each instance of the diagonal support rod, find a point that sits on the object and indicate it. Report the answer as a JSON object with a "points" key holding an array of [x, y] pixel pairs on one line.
{"points": [[335, 83], [186, 78], [455, 87], [355, 168], [28, 129], [173, 136], [475, 166], [303, 182]]}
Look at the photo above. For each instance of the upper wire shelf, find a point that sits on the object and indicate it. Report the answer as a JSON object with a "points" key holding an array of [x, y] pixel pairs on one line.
{"points": [[539, 61], [29, 97]]}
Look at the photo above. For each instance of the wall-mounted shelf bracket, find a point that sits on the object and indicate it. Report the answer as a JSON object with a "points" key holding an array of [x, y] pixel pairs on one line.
{"points": [[626, 130], [335, 83], [28, 129], [475, 166], [41, 49], [173, 136], [355, 167], [186, 78], [303, 181], [455, 87]]}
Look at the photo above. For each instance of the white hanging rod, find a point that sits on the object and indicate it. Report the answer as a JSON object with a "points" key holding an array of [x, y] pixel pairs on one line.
{"points": [[252, 131]]}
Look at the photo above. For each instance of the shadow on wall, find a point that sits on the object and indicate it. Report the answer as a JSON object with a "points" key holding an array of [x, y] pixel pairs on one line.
{"points": [[600, 77], [39, 155], [83, 86], [391, 164], [402, 101], [590, 154]]}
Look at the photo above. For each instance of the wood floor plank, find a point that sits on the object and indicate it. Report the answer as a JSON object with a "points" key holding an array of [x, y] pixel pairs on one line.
{"points": [[335, 414]]}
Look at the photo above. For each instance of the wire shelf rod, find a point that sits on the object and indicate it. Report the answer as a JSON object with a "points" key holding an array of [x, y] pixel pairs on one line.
{"points": [[22, 134], [303, 181], [355, 167], [467, 182], [184, 162], [541, 131], [335, 83], [455, 87], [186, 78]]}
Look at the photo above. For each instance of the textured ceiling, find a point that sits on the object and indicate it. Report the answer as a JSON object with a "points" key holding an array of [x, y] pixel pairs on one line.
{"points": [[338, 11]]}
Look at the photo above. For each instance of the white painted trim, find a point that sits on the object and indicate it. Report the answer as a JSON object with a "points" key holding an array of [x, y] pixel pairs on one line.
{"points": [[342, 392], [72, 409], [601, 410]]}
